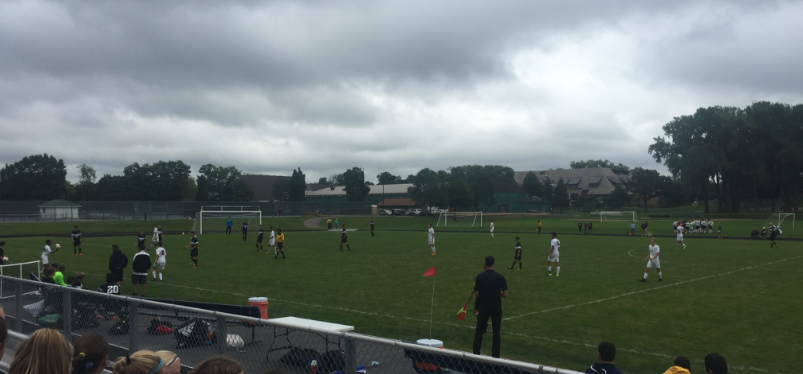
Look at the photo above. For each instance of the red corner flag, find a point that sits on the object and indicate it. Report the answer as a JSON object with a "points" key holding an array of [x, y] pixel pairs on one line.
{"points": [[430, 272]]}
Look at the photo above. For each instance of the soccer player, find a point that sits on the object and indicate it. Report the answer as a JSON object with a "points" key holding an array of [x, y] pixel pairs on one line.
{"points": [[141, 240], [161, 261], [517, 256], [76, 241], [680, 237], [704, 225], [155, 236], [229, 224], [140, 266], [653, 261], [719, 231], [259, 238], [344, 239], [272, 242], [710, 227], [372, 227], [539, 226], [492, 229], [773, 235], [590, 227], [554, 255], [193, 244], [244, 228], [110, 287], [161, 234], [279, 244], [46, 252], [431, 237]]}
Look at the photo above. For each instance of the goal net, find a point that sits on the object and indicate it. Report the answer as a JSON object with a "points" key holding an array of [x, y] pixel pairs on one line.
{"points": [[459, 219], [215, 217], [20, 271], [630, 216], [781, 219]]}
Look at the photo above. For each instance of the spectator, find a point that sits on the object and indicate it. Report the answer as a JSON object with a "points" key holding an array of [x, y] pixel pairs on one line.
{"points": [[2, 252], [90, 354], [141, 362], [110, 287], [3, 336], [69, 281], [59, 274], [45, 352], [489, 289], [48, 275], [606, 352], [590, 227], [632, 228], [682, 366], [79, 280], [715, 364], [218, 365], [172, 362], [117, 262]]}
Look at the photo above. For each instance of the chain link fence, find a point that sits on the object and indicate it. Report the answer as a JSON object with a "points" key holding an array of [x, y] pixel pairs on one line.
{"points": [[60, 210], [260, 345]]}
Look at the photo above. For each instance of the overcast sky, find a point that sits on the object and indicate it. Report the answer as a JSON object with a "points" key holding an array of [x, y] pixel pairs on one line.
{"points": [[384, 85]]}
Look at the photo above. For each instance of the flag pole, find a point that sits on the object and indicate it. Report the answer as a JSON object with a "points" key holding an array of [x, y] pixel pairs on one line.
{"points": [[432, 307]]}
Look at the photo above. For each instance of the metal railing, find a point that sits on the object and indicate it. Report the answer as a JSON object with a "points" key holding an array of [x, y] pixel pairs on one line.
{"points": [[131, 324]]}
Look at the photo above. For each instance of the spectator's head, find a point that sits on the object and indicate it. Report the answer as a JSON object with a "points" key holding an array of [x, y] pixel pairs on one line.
{"points": [[45, 352], [489, 262], [49, 272], [141, 362], [172, 362], [115, 247], [607, 352], [3, 336], [683, 362], [219, 365], [110, 278], [80, 276], [70, 280], [90, 353], [715, 364], [54, 265], [62, 268]]}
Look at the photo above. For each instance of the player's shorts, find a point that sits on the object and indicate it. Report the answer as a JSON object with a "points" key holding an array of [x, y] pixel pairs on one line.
{"points": [[272, 242], [245, 232], [259, 240], [280, 245], [431, 241], [44, 260], [160, 265], [154, 240], [344, 240], [76, 242], [680, 237], [139, 279], [517, 258], [194, 253], [492, 230], [554, 257], [654, 263]]}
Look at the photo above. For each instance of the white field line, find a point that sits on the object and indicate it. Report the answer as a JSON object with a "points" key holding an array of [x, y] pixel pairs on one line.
{"points": [[650, 289]]}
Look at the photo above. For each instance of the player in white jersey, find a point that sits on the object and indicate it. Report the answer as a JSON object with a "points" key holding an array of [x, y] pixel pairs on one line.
{"points": [[161, 261], [431, 239], [155, 237], [653, 261], [46, 251], [272, 242], [492, 229], [554, 255], [704, 225], [710, 227], [680, 237]]}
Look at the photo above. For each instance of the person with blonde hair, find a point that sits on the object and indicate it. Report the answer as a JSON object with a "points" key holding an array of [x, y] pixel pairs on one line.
{"points": [[218, 365], [172, 362], [90, 354], [141, 362], [45, 352]]}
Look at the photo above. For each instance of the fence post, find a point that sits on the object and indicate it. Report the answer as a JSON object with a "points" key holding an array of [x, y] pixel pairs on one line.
{"points": [[131, 321], [351, 354], [66, 313], [222, 333], [18, 307]]}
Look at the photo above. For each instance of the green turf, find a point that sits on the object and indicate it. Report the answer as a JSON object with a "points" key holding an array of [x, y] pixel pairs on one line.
{"points": [[748, 309]]}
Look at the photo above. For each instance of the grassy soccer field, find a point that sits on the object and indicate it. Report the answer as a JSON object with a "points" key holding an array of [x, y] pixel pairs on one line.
{"points": [[736, 297]]}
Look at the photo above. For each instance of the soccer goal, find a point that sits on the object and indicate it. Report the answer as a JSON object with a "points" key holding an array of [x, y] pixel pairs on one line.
{"points": [[785, 217], [459, 219], [618, 216], [218, 215], [20, 271]]}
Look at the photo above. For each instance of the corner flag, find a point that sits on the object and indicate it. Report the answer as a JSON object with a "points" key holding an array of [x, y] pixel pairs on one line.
{"points": [[430, 272]]}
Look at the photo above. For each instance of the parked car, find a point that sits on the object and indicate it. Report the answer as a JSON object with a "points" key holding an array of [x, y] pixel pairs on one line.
{"points": [[398, 212], [417, 212]]}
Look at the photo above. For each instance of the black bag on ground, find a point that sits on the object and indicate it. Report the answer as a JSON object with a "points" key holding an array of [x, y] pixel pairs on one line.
{"points": [[83, 317], [332, 361], [119, 328], [155, 323], [299, 356], [192, 333]]}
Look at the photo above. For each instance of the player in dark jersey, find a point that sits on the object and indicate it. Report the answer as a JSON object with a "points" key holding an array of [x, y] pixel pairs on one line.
{"points": [[76, 241], [141, 240], [344, 239], [259, 239], [244, 228], [161, 233], [517, 256], [193, 245], [372, 227]]}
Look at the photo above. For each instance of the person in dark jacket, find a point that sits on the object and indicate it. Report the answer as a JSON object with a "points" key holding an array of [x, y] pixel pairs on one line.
{"points": [[140, 267], [117, 262], [606, 352]]}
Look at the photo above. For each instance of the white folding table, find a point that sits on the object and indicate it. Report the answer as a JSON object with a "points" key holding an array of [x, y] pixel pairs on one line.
{"points": [[292, 324]]}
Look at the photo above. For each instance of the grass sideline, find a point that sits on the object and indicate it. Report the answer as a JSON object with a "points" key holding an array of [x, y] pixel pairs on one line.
{"points": [[734, 297]]}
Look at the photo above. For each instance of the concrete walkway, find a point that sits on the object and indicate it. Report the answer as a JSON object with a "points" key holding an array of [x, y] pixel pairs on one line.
{"points": [[314, 223]]}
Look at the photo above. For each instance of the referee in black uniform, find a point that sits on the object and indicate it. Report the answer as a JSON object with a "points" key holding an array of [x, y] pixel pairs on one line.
{"points": [[489, 289]]}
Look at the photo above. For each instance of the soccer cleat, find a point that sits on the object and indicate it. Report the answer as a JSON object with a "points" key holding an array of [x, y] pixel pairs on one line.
{"points": [[557, 275], [549, 273], [660, 279], [194, 266], [510, 267], [642, 280], [433, 253]]}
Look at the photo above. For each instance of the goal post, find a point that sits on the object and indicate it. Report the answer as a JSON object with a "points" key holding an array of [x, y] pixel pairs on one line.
{"points": [[618, 216], [224, 212], [785, 217], [459, 219]]}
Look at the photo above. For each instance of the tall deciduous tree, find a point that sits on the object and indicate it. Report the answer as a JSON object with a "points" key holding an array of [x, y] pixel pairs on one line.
{"points": [[85, 189], [549, 190], [281, 189], [459, 194], [297, 186], [354, 184], [111, 188], [619, 197], [224, 183], [533, 185], [160, 181], [427, 189], [387, 178], [561, 197], [37, 177], [597, 164], [646, 184]]}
